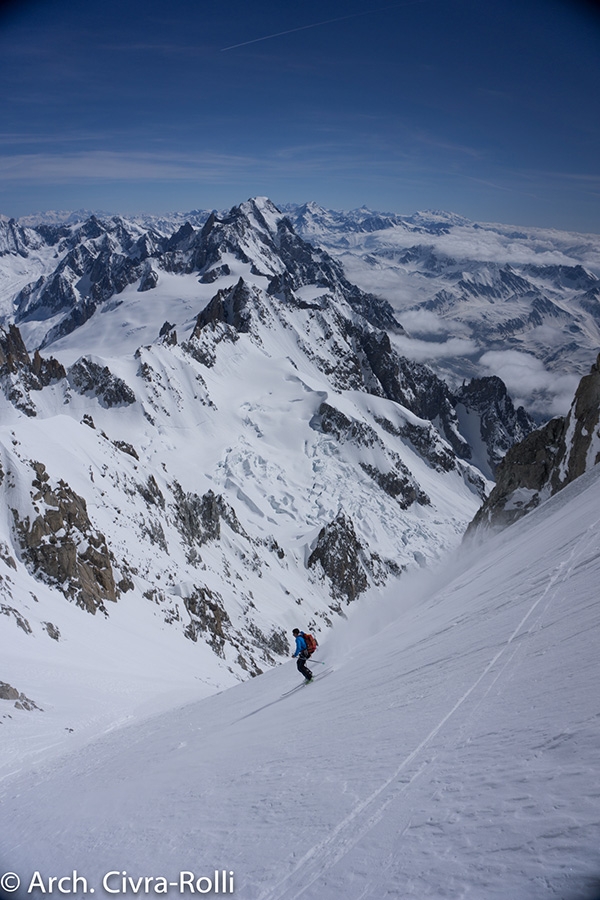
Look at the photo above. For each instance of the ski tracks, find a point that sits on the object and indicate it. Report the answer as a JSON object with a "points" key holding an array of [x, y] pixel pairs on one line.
{"points": [[315, 863]]}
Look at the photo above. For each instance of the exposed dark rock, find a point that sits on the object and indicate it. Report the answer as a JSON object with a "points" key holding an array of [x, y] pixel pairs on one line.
{"points": [[151, 492], [73, 319], [425, 440], [61, 547], [5, 554], [402, 487], [168, 334], [411, 384], [8, 692], [125, 447], [20, 620], [546, 460], [332, 421], [229, 314], [590, 302], [47, 371], [52, 631], [208, 617], [198, 519], [17, 240], [339, 554], [276, 643], [153, 530], [232, 306], [572, 277], [13, 353], [19, 374], [125, 584], [212, 275], [398, 483], [87, 377], [501, 425], [102, 259]]}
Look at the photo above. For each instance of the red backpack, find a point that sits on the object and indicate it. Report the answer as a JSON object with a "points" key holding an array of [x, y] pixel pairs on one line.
{"points": [[311, 642]]}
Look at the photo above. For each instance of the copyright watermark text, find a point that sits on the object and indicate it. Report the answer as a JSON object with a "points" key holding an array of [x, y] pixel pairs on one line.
{"points": [[119, 882]]}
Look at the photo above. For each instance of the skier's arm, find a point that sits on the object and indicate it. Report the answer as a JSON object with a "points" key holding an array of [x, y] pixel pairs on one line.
{"points": [[300, 646]]}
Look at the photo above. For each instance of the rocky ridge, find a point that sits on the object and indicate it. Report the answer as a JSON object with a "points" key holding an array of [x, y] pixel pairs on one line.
{"points": [[547, 460], [477, 288]]}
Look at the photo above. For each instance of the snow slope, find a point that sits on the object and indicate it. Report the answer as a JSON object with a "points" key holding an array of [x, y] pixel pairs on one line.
{"points": [[450, 752]]}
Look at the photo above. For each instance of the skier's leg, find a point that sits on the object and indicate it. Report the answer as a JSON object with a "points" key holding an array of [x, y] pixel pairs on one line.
{"points": [[302, 667]]}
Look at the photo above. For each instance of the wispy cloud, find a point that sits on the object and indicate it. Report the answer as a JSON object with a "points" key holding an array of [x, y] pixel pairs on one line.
{"points": [[291, 161], [369, 12], [23, 138], [446, 146], [105, 165]]}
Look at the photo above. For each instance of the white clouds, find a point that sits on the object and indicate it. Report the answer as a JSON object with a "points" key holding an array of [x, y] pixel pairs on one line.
{"points": [[423, 321], [529, 383], [427, 351]]}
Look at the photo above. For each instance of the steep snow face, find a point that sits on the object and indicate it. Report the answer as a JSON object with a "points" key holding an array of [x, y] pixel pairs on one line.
{"points": [[448, 747]]}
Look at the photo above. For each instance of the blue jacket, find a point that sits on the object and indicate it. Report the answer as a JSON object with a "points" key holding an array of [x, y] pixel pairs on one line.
{"points": [[300, 645]]}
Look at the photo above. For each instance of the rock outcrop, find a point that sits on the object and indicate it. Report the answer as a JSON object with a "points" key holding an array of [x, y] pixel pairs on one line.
{"points": [[546, 460], [499, 424], [338, 554], [20, 374], [61, 546], [87, 377], [8, 692]]}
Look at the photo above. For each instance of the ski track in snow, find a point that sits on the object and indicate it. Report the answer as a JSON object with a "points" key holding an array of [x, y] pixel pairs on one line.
{"points": [[450, 755], [281, 698], [322, 856]]}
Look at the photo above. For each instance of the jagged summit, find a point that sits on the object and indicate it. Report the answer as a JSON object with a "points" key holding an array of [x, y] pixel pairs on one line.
{"points": [[102, 259]]}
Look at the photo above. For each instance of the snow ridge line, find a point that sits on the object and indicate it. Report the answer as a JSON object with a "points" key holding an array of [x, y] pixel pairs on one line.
{"points": [[328, 852]]}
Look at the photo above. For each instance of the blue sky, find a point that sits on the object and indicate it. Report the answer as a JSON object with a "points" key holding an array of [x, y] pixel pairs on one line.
{"points": [[488, 108]]}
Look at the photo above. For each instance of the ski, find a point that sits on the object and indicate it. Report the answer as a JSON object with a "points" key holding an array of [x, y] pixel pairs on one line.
{"points": [[298, 687]]}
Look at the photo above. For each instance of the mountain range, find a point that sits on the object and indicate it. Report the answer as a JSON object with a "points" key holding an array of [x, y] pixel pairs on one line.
{"points": [[216, 425]]}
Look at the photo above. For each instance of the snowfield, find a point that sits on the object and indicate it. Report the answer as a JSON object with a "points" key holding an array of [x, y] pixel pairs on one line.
{"points": [[450, 749]]}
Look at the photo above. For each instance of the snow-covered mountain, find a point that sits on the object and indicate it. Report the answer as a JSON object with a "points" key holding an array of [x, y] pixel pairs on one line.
{"points": [[217, 436], [476, 299], [449, 749], [210, 434]]}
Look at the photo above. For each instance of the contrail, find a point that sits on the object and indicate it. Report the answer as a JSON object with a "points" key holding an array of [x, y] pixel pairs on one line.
{"points": [[369, 12]]}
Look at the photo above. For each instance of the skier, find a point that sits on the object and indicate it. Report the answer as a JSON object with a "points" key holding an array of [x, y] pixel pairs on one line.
{"points": [[303, 654]]}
